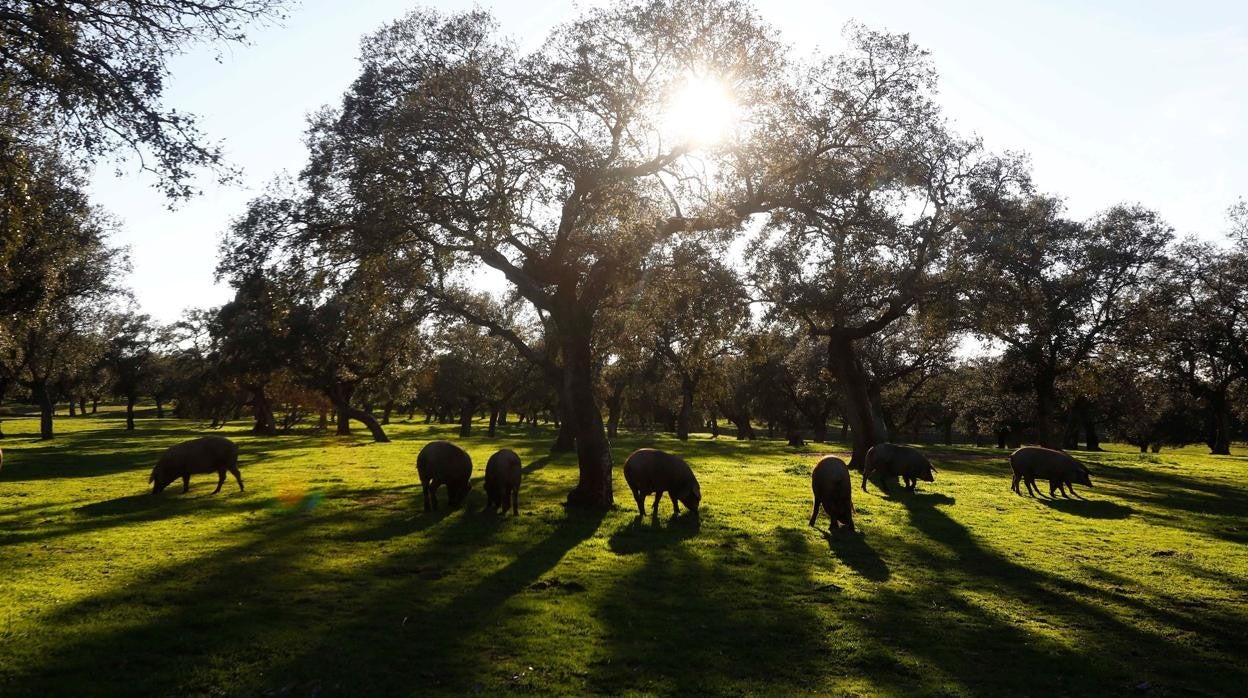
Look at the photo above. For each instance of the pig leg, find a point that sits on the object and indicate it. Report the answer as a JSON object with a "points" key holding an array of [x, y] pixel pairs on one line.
{"points": [[220, 480], [186, 482], [675, 504], [658, 497], [237, 476], [515, 502], [865, 470], [1014, 484], [641, 502], [815, 514], [844, 514], [1031, 486], [424, 487]]}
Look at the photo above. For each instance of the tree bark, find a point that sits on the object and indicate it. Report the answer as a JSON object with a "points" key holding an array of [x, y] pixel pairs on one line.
{"points": [[1046, 408], [819, 429], [160, 407], [82, 406], [385, 412], [465, 419], [324, 421], [340, 395], [615, 402], [1089, 428], [794, 435], [130, 400], [565, 438], [368, 420], [843, 362], [685, 417], [1220, 424], [344, 422], [95, 405], [46, 409], [742, 422], [71, 407], [263, 409], [493, 420], [593, 451]]}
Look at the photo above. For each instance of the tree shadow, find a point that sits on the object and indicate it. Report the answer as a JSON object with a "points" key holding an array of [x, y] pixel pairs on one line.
{"points": [[979, 642], [256, 617], [132, 509], [1088, 508], [535, 465], [691, 622], [438, 617]]}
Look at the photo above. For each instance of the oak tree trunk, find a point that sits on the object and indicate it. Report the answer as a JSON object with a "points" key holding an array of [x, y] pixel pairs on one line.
{"points": [[263, 410], [685, 416], [46, 409], [843, 362], [1220, 425], [1046, 409], [593, 451]]}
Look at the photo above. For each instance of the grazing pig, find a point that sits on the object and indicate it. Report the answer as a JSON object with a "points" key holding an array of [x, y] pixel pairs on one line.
{"points": [[1059, 468], [892, 460], [502, 481], [650, 470], [203, 455], [832, 487], [444, 463]]}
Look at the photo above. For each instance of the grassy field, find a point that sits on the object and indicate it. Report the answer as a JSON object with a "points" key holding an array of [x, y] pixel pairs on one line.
{"points": [[326, 578]]}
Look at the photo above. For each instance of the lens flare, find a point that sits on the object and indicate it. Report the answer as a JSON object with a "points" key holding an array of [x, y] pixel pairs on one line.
{"points": [[294, 498]]}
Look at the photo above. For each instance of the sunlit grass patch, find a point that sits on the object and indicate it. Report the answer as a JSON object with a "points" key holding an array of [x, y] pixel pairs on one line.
{"points": [[326, 576]]}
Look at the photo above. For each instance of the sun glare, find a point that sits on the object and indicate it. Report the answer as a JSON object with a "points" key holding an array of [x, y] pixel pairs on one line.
{"points": [[700, 112]]}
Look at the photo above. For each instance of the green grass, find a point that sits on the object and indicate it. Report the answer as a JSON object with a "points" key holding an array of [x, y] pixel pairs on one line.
{"points": [[325, 577]]}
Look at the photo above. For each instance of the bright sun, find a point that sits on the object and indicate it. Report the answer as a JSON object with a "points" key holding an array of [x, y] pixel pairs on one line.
{"points": [[700, 112]]}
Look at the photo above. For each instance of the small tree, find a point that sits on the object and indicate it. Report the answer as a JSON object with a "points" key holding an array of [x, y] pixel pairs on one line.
{"points": [[129, 357]]}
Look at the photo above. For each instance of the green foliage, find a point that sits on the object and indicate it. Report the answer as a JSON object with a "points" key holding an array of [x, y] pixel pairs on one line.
{"points": [[325, 576]]}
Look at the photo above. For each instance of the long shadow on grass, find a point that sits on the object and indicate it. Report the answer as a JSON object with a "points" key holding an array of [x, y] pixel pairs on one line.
{"points": [[651, 533], [853, 550], [108, 451], [1089, 508], [984, 622], [187, 627], [712, 614], [448, 632], [269, 612], [129, 509]]}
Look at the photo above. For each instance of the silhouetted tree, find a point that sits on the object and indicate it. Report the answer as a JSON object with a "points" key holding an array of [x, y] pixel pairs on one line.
{"points": [[1053, 290]]}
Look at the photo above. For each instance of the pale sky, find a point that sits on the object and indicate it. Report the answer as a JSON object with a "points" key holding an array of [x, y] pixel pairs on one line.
{"points": [[1115, 100]]}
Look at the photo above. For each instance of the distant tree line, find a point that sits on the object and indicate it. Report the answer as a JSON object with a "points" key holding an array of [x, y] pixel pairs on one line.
{"points": [[843, 265]]}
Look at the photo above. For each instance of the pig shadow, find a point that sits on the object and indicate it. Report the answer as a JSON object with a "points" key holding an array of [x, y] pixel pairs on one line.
{"points": [[640, 535]]}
